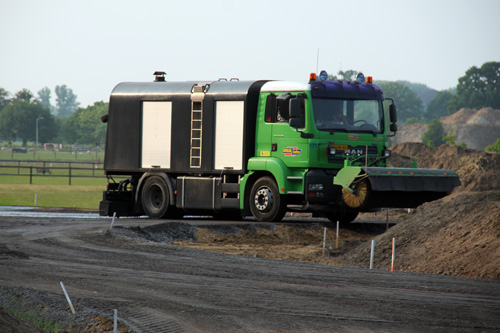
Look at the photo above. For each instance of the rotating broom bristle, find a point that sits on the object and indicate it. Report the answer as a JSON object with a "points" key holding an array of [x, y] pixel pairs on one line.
{"points": [[358, 196]]}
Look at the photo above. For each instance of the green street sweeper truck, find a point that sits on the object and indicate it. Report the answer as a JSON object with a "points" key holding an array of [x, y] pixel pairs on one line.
{"points": [[231, 148]]}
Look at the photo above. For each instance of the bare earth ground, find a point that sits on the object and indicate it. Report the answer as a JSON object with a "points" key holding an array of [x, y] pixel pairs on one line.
{"points": [[458, 235], [159, 286]]}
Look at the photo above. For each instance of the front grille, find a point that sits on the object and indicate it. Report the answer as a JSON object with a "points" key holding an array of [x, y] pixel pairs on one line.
{"points": [[353, 152]]}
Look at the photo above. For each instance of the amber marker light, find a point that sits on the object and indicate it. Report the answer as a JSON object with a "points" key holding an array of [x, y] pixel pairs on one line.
{"points": [[369, 79], [312, 77]]}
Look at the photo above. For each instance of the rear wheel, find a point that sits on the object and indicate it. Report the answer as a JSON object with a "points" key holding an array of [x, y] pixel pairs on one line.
{"points": [[155, 198], [266, 203]]}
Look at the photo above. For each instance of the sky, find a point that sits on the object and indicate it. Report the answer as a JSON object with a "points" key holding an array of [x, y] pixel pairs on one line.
{"points": [[91, 46]]}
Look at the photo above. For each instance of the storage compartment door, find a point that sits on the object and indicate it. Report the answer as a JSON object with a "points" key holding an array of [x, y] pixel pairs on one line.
{"points": [[229, 135], [156, 134]]}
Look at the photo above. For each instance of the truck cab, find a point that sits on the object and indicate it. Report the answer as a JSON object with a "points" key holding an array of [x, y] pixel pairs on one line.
{"points": [[309, 131]]}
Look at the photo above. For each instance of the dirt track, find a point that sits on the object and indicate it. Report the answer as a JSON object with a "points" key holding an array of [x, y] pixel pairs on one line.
{"points": [[158, 287]]}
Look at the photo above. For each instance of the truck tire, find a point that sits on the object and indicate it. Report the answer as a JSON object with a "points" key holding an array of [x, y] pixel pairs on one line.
{"points": [[155, 198], [266, 203]]}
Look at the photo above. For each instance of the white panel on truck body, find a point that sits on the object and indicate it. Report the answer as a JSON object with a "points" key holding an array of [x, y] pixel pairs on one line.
{"points": [[229, 118], [156, 134]]}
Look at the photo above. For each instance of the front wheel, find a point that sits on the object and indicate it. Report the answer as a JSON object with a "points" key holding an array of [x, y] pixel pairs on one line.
{"points": [[266, 203], [342, 217]]}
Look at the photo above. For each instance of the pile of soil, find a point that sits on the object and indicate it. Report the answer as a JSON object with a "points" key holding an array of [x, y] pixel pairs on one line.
{"points": [[484, 116], [457, 236], [297, 242], [476, 128]]}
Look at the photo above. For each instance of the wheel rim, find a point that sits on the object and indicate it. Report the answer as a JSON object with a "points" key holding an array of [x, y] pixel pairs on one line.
{"points": [[263, 199], [156, 197]]}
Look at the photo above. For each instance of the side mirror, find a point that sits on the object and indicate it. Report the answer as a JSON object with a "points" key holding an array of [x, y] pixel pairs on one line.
{"points": [[393, 127], [294, 109], [296, 123], [296, 119], [393, 114]]}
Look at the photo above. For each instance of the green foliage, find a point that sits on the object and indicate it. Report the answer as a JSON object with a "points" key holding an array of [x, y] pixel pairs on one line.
{"points": [[478, 88], [451, 139], [439, 106], [493, 148], [66, 103], [413, 120], [408, 103], [18, 120], [23, 95], [434, 135], [425, 93], [348, 75], [15, 308], [44, 98], [85, 126], [4, 98]]}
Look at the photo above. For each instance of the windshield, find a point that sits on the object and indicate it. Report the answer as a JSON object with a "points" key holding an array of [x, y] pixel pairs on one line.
{"points": [[363, 116]]}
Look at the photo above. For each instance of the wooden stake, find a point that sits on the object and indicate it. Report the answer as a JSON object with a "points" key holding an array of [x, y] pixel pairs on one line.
{"points": [[67, 298], [337, 238], [393, 253]]}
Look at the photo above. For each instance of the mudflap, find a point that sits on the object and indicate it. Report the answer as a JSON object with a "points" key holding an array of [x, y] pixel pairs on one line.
{"points": [[121, 203], [394, 187]]}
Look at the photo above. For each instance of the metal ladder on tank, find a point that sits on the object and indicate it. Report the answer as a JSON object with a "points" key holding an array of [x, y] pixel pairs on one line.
{"points": [[197, 97]]}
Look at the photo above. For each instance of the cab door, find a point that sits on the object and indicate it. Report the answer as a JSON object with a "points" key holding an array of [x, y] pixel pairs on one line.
{"points": [[287, 143]]}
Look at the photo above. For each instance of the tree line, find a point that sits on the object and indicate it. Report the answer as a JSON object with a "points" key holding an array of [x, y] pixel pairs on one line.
{"points": [[24, 115], [67, 123], [417, 103]]}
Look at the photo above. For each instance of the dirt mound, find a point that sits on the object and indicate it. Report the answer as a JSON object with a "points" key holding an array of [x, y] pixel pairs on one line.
{"points": [[459, 117], [476, 128], [459, 236], [297, 242], [484, 116], [165, 232], [478, 171]]}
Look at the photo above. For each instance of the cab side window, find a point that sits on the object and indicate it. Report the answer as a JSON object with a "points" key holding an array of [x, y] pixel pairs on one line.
{"points": [[277, 108]]}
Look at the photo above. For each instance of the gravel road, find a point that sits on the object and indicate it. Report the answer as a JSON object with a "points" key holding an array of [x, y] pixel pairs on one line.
{"points": [[157, 287]]}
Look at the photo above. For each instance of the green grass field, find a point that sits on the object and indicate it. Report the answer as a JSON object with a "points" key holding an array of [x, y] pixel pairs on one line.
{"points": [[84, 192], [74, 196]]}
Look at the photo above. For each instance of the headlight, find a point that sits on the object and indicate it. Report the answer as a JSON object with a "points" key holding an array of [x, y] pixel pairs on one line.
{"points": [[331, 150], [386, 153], [315, 187]]}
